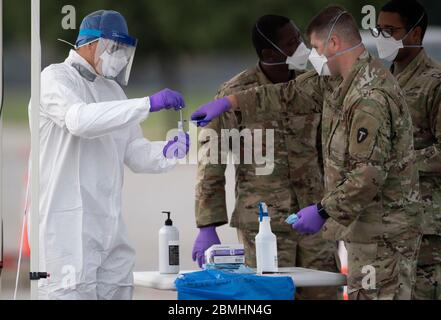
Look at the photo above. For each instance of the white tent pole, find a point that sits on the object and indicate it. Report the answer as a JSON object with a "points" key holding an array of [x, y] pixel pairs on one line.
{"points": [[35, 145]]}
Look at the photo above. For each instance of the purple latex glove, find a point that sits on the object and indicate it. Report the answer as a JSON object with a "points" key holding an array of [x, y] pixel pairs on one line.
{"points": [[166, 99], [206, 238], [207, 112], [310, 221], [178, 147]]}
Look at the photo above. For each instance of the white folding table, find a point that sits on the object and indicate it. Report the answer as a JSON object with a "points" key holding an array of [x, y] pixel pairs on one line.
{"points": [[302, 278]]}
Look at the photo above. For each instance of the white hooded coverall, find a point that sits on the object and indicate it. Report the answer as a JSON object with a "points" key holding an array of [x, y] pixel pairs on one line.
{"points": [[88, 131]]}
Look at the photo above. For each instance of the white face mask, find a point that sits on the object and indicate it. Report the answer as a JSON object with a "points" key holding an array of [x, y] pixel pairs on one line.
{"points": [[297, 61], [112, 64], [388, 48], [320, 61]]}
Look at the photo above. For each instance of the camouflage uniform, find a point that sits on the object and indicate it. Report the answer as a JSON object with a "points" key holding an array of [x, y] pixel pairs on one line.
{"points": [[371, 178], [421, 83], [371, 181], [296, 180]]}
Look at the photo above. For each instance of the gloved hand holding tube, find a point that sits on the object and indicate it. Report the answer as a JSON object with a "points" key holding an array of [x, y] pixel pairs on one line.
{"points": [[206, 238], [310, 219], [292, 219], [166, 99], [179, 146]]}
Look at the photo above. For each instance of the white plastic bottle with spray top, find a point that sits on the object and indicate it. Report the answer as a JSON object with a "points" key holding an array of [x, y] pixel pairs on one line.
{"points": [[266, 243], [168, 247]]}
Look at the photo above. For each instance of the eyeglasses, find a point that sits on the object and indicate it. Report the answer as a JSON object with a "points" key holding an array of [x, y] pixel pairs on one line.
{"points": [[386, 32]]}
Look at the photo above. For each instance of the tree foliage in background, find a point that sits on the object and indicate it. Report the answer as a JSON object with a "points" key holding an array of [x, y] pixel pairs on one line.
{"points": [[167, 29], [181, 26]]}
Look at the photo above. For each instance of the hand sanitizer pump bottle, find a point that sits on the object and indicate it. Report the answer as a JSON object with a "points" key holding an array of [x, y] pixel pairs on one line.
{"points": [[168, 247]]}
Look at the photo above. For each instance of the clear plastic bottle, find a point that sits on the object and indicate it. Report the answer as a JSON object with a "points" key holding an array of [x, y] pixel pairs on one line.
{"points": [[266, 243]]}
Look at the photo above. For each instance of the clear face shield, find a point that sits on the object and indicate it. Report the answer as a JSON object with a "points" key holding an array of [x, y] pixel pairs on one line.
{"points": [[114, 57]]}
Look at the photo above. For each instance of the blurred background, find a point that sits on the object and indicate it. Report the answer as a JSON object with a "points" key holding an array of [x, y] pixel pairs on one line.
{"points": [[191, 46]]}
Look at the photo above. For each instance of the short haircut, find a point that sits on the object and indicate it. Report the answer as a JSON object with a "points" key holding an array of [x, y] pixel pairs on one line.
{"points": [[346, 27], [269, 25], [410, 12]]}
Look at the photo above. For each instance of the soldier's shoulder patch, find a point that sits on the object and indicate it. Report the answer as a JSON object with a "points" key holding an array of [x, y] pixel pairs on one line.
{"points": [[364, 129], [362, 134]]}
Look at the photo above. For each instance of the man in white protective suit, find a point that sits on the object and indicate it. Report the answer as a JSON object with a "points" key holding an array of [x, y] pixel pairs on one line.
{"points": [[89, 130]]}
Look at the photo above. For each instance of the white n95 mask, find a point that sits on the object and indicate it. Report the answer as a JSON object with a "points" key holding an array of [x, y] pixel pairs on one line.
{"points": [[320, 63], [299, 60], [388, 48], [112, 64]]}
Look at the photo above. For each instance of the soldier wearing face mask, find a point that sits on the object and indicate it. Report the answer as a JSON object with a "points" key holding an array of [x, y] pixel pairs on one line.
{"points": [[371, 181], [297, 176], [399, 35]]}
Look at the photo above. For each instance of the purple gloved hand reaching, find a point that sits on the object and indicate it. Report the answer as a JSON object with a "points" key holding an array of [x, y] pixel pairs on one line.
{"points": [[206, 238], [310, 219], [207, 112], [166, 99]]}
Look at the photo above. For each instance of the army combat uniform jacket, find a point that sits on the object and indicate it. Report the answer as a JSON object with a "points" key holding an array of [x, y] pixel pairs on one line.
{"points": [[296, 179], [421, 84], [371, 181]]}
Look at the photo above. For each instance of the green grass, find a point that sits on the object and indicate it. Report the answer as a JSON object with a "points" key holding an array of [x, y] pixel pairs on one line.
{"points": [[155, 127], [15, 107]]}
